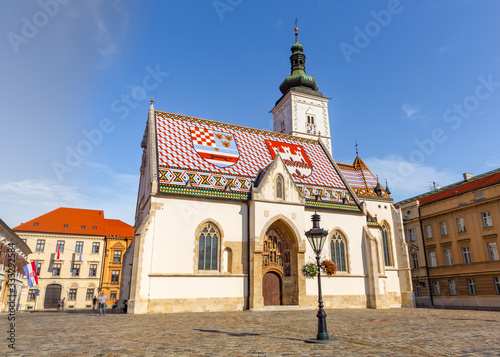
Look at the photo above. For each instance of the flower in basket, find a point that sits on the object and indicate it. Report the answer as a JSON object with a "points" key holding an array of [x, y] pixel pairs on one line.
{"points": [[310, 270], [328, 267]]}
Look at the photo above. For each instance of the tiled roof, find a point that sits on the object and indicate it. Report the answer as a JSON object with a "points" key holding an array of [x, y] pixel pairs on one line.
{"points": [[466, 186], [360, 178], [115, 227], [65, 220], [197, 155]]}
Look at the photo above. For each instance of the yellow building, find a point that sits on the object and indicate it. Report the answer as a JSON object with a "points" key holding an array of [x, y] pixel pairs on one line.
{"points": [[453, 239], [68, 244], [119, 235]]}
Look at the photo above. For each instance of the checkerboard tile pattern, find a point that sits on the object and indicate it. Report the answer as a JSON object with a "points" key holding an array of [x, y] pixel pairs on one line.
{"points": [[176, 150]]}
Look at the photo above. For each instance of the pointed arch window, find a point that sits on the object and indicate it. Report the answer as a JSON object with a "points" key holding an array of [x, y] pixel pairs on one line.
{"points": [[386, 241], [338, 251], [279, 187], [208, 247]]}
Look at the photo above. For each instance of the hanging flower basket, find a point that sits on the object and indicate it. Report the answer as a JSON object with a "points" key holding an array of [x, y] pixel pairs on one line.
{"points": [[310, 270]]}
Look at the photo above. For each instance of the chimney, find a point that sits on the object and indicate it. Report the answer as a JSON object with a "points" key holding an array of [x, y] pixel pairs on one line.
{"points": [[468, 176]]}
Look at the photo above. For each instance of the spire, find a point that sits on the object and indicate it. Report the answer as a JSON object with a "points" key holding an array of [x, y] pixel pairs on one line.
{"points": [[387, 188], [356, 145], [298, 77]]}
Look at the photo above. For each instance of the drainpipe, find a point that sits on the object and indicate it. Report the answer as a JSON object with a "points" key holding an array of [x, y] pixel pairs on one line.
{"points": [[248, 255], [425, 258]]}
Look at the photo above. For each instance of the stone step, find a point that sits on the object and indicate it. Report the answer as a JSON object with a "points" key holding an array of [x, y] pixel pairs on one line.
{"points": [[283, 308]]}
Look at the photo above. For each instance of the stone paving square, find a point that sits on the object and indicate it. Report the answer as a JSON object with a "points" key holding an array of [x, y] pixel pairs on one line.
{"points": [[364, 332]]}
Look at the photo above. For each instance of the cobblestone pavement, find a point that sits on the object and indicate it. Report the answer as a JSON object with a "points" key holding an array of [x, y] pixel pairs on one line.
{"points": [[366, 332]]}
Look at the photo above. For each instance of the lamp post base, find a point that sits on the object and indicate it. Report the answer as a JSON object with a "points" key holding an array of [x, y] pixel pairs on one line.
{"points": [[325, 342]]}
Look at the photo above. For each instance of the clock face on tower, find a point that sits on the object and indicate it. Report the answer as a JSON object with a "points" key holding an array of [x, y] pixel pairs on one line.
{"points": [[311, 128]]}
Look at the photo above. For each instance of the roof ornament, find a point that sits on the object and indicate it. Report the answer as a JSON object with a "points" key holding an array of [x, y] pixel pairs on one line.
{"points": [[378, 189], [356, 146], [387, 188]]}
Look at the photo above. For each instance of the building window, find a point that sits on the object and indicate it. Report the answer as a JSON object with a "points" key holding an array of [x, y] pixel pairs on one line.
{"points": [[94, 227], [387, 246], [444, 228], [282, 124], [112, 295], [38, 268], [466, 255], [83, 227], [428, 231], [453, 287], [208, 248], [60, 246], [447, 257], [437, 289], [65, 226], [90, 294], [496, 279], [486, 219], [95, 247], [117, 256], [93, 270], [432, 259], [492, 250], [279, 187], [418, 291], [79, 247], [461, 225], [56, 269], [40, 245], [411, 234], [75, 270], [72, 294], [31, 295], [338, 250], [115, 276], [472, 286], [310, 119], [414, 261]]}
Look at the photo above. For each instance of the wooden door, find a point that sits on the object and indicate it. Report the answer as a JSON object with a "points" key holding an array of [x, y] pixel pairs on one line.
{"points": [[271, 289], [52, 295]]}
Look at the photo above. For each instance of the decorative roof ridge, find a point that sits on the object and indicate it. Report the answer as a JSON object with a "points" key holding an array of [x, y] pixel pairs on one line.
{"points": [[236, 127], [445, 188]]}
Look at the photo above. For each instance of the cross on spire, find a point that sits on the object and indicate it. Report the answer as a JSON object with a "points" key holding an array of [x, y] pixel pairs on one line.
{"points": [[356, 146]]}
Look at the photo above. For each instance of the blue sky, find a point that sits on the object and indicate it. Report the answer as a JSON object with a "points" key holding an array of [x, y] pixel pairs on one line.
{"points": [[415, 83]]}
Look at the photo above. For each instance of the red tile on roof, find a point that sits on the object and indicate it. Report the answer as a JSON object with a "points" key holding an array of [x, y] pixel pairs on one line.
{"points": [[458, 190]]}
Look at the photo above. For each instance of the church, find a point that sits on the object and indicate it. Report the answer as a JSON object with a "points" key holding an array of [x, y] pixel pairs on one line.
{"points": [[222, 210]]}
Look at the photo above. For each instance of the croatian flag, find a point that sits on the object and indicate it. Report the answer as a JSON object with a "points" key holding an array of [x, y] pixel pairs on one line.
{"points": [[30, 271], [58, 252]]}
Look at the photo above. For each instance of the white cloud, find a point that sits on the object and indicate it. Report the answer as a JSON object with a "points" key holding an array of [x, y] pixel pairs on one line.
{"points": [[407, 180], [411, 111], [112, 192]]}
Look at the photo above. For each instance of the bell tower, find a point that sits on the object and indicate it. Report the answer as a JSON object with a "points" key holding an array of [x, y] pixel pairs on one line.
{"points": [[302, 110]]}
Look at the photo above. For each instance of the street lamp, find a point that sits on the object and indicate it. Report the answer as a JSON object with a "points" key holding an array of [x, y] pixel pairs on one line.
{"points": [[317, 237]]}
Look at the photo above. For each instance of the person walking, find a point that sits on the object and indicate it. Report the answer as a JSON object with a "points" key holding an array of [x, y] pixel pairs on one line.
{"points": [[58, 304], [62, 304], [102, 304], [94, 301]]}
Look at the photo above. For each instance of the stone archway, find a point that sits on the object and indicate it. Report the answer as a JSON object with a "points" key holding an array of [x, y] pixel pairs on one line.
{"points": [[283, 256]]}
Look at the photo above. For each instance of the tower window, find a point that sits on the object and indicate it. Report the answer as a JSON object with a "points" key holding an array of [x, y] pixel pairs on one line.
{"points": [[282, 124], [310, 119]]}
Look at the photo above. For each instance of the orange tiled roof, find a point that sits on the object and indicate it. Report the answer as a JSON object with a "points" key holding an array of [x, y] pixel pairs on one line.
{"points": [[460, 189], [115, 227], [76, 221]]}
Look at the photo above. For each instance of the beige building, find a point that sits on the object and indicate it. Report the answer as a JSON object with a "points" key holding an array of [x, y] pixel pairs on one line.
{"points": [[453, 238], [73, 274], [13, 257]]}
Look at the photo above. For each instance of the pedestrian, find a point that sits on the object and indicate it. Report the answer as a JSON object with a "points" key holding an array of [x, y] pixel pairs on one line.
{"points": [[94, 301], [102, 304], [62, 304], [58, 304]]}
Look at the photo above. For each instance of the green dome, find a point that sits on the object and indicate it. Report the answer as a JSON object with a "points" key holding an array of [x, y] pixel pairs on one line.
{"points": [[298, 77]]}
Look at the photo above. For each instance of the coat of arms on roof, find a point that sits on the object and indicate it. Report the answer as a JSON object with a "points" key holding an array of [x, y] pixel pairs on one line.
{"points": [[217, 147], [294, 157]]}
